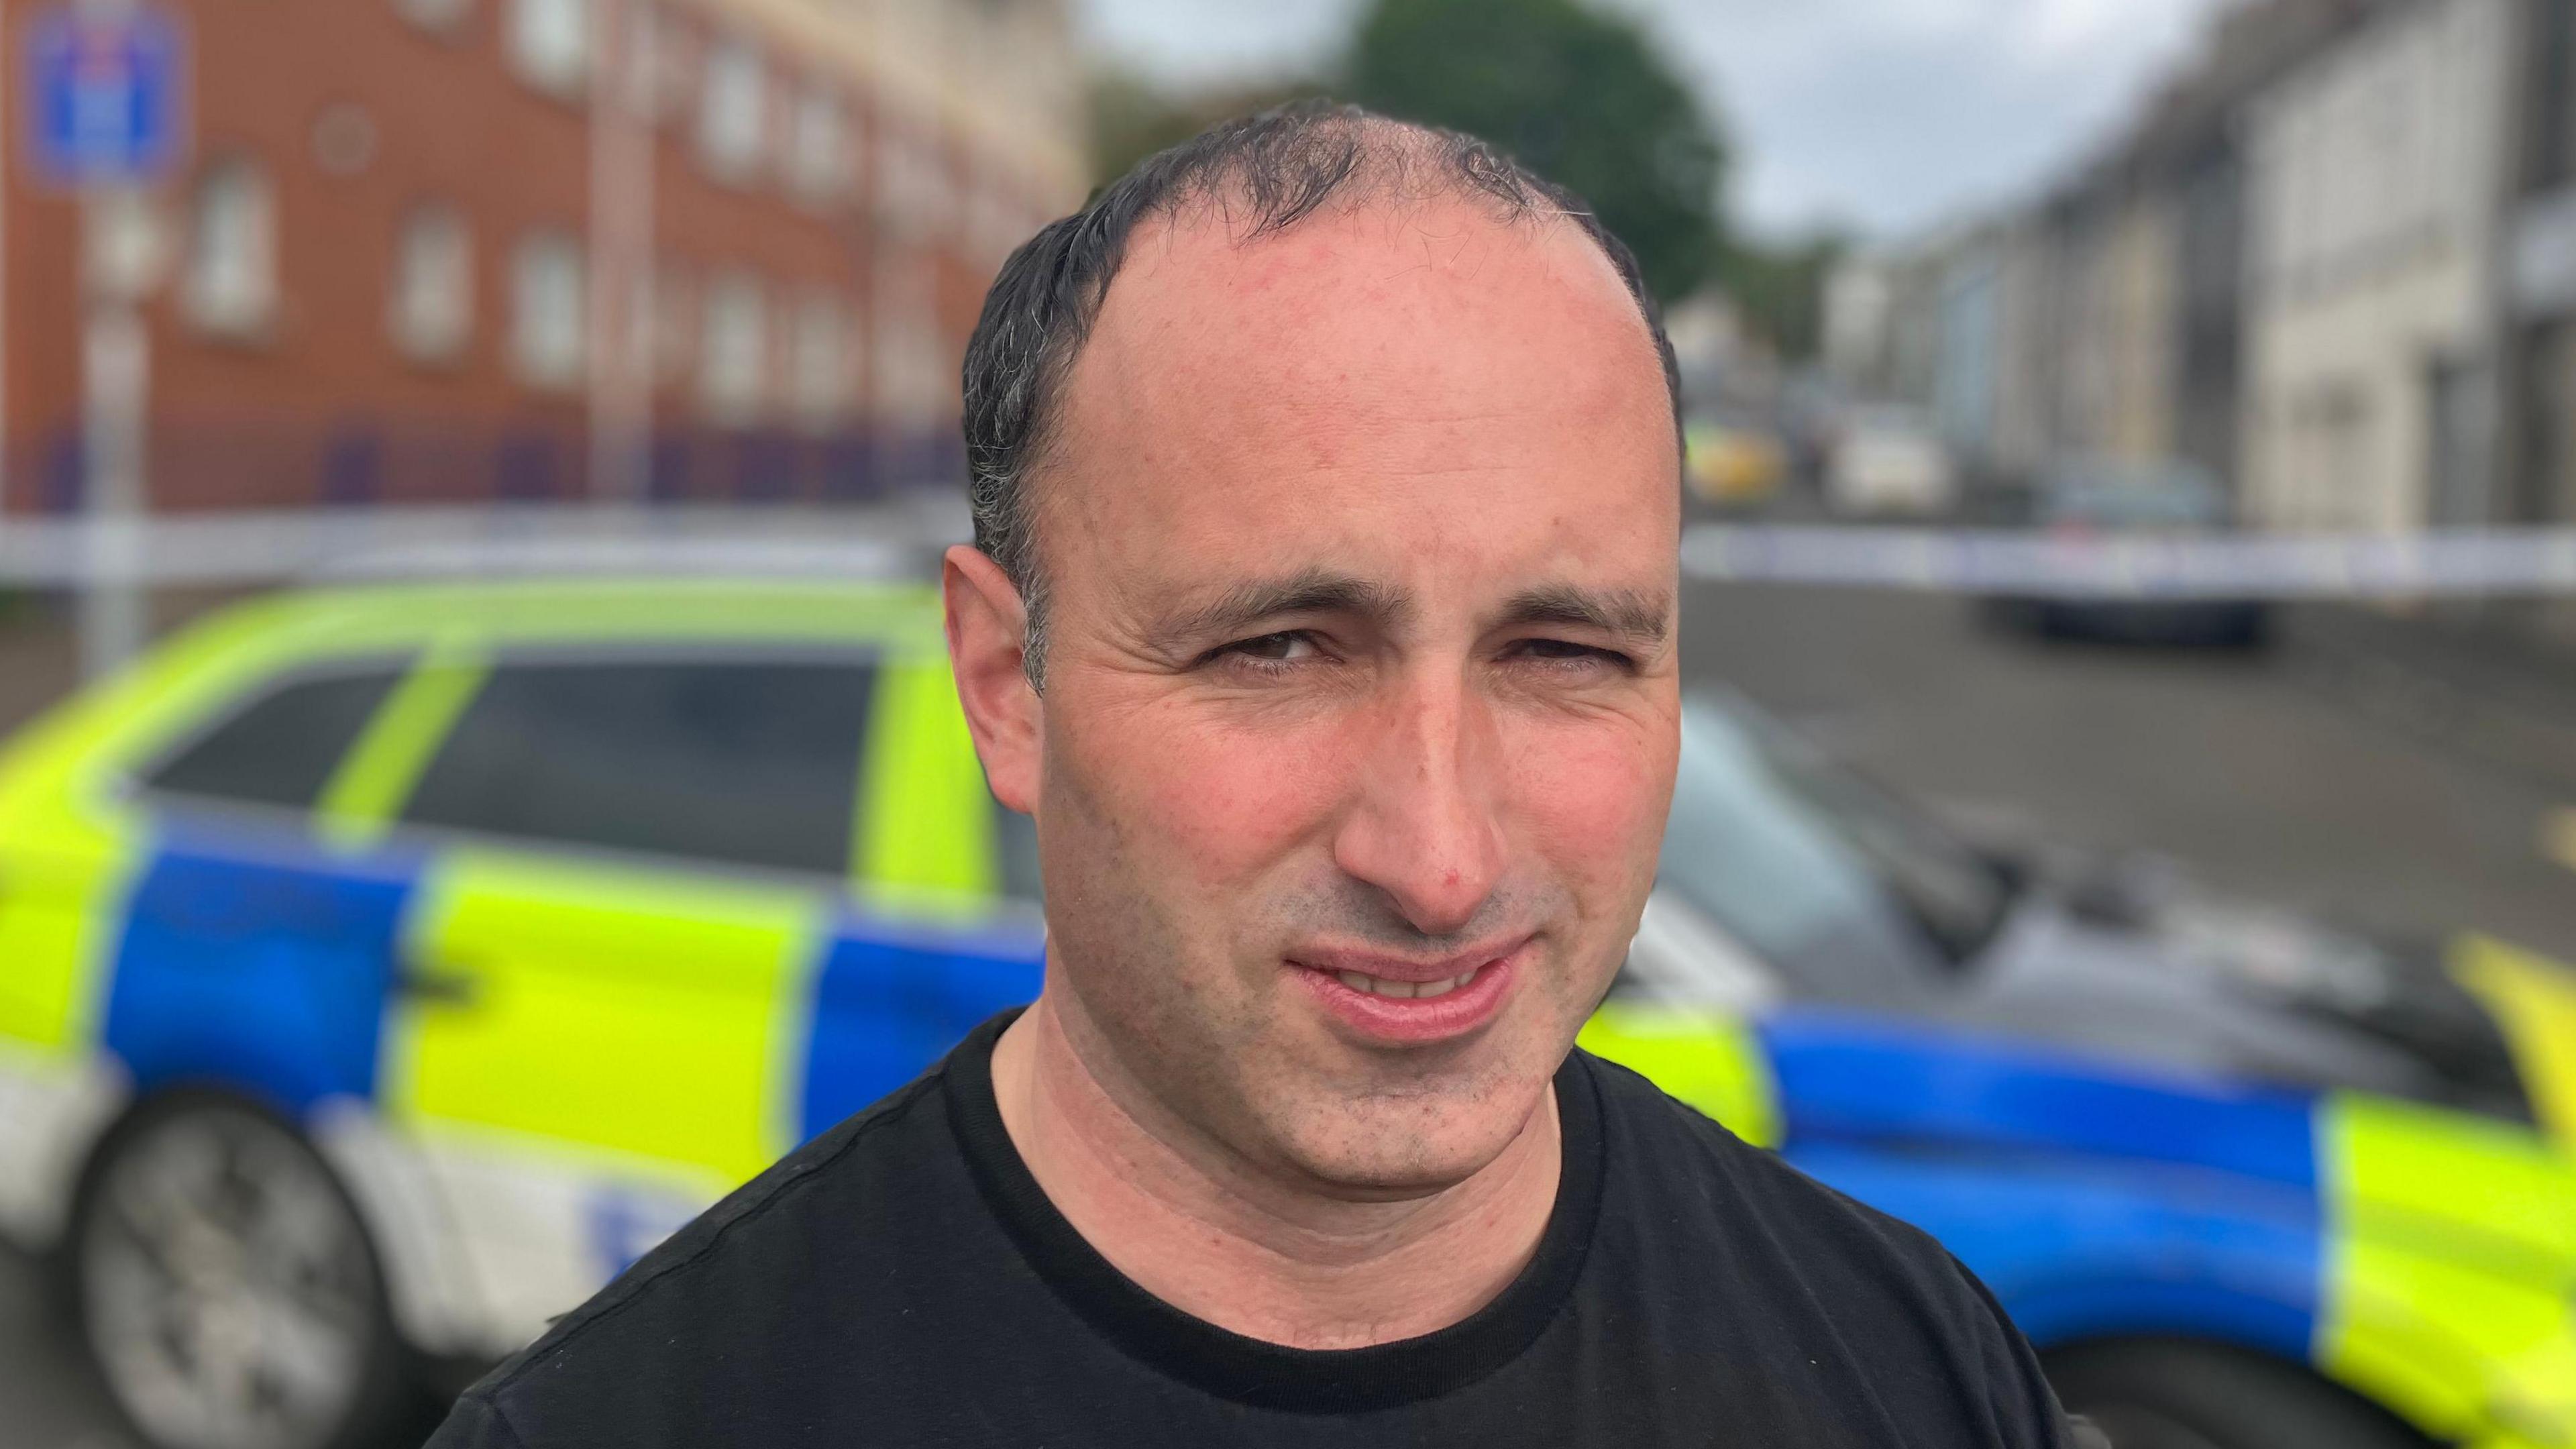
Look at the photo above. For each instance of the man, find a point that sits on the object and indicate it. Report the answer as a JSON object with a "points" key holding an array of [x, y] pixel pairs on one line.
{"points": [[1322, 614]]}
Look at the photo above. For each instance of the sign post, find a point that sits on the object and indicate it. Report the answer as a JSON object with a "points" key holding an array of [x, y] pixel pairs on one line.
{"points": [[105, 88], [621, 310]]}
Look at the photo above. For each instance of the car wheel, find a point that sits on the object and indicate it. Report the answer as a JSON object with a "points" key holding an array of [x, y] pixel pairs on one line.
{"points": [[226, 1288], [2172, 1395]]}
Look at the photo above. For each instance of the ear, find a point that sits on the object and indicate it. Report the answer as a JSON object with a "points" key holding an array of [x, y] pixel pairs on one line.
{"points": [[987, 637]]}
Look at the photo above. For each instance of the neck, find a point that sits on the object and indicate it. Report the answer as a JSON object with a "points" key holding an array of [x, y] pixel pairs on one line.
{"points": [[1287, 1262]]}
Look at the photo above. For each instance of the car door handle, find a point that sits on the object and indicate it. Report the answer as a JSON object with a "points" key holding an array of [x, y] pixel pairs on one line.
{"points": [[442, 984]]}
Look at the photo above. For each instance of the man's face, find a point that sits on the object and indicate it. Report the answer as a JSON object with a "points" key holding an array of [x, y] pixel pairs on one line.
{"points": [[1361, 709]]}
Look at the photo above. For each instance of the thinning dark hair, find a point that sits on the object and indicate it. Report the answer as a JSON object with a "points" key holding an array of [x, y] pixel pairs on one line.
{"points": [[1267, 172]]}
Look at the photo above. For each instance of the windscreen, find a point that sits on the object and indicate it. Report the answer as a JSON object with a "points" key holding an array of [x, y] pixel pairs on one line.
{"points": [[1848, 895]]}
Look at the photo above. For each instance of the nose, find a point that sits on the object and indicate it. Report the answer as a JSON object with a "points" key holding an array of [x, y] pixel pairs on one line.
{"points": [[1425, 827]]}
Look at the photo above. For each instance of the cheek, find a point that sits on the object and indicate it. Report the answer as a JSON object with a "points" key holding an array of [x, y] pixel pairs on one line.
{"points": [[1216, 802], [1595, 799]]}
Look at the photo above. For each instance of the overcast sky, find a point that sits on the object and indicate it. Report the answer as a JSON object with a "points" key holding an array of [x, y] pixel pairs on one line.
{"points": [[1888, 115]]}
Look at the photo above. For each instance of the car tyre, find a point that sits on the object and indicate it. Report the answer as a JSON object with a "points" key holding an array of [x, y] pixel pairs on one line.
{"points": [[226, 1288], [2177, 1395]]}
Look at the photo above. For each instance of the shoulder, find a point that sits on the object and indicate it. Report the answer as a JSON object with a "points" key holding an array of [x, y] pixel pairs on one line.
{"points": [[722, 1289], [1679, 1159], [1717, 1220]]}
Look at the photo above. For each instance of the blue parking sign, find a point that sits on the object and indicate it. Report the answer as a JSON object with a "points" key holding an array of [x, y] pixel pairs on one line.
{"points": [[106, 91]]}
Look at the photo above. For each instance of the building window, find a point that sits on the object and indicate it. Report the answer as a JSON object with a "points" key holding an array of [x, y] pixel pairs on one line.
{"points": [[912, 377], [441, 15], [231, 279], [549, 42], [914, 196], [549, 328], [430, 312], [818, 376], [733, 346], [818, 145], [733, 109]]}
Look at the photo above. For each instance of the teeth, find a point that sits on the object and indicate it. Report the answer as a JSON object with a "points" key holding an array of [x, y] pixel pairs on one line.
{"points": [[1402, 990]]}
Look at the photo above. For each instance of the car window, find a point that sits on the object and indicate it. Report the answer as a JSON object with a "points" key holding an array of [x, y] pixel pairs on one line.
{"points": [[741, 762], [281, 746], [1850, 898]]}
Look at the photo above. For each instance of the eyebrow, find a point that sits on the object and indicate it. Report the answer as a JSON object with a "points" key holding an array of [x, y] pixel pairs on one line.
{"points": [[1623, 612], [1312, 591]]}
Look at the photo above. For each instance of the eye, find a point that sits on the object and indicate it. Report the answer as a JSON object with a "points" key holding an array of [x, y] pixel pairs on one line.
{"points": [[1293, 644], [1565, 653], [1269, 651]]}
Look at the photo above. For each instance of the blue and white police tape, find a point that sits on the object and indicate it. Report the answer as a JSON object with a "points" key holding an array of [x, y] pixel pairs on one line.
{"points": [[2190, 566], [895, 536]]}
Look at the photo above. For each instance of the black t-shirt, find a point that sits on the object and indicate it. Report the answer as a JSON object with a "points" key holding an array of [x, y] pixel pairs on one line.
{"points": [[902, 1280]]}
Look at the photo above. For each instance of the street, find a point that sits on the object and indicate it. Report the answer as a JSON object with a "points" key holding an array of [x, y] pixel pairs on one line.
{"points": [[2266, 773], [2282, 775], [48, 1396]]}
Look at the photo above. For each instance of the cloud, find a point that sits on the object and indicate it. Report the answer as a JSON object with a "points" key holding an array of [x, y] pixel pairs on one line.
{"points": [[1212, 42], [1892, 115], [1884, 114], [2071, 29]]}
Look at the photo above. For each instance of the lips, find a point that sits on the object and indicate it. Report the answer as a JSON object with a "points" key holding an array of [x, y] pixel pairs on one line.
{"points": [[1393, 1001]]}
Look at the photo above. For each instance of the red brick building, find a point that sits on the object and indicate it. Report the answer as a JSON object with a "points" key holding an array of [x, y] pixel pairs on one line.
{"points": [[459, 250]]}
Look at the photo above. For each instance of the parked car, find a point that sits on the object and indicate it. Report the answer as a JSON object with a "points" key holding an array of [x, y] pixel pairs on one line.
{"points": [[382, 971], [2080, 503], [1887, 460], [2245, 1180], [1732, 463]]}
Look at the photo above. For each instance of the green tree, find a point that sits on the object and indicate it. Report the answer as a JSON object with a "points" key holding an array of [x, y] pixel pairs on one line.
{"points": [[1576, 95], [1781, 288]]}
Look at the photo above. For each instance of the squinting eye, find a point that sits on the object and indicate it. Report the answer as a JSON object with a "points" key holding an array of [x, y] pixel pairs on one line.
{"points": [[1275, 648], [1566, 649]]}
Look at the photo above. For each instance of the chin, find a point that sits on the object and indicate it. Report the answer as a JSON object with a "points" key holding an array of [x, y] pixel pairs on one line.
{"points": [[1410, 1146]]}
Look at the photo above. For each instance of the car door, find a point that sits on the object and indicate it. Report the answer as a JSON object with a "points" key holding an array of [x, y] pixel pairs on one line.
{"points": [[638, 857], [252, 956]]}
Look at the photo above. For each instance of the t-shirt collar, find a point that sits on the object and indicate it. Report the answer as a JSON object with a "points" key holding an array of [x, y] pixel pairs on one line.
{"points": [[1250, 1370]]}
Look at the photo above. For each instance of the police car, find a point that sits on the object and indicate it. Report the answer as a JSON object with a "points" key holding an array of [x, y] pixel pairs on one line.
{"points": [[383, 970]]}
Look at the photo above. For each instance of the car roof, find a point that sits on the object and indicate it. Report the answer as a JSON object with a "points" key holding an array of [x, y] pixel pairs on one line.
{"points": [[902, 617], [215, 658]]}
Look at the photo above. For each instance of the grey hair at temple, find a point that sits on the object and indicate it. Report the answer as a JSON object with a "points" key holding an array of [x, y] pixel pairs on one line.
{"points": [[1266, 173]]}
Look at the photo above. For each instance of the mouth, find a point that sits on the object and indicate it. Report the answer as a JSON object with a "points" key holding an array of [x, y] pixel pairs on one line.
{"points": [[1395, 990], [1389, 1000]]}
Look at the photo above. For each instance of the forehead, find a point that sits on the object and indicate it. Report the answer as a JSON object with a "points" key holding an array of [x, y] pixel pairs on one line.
{"points": [[1368, 310], [1366, 372]]}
